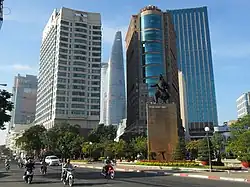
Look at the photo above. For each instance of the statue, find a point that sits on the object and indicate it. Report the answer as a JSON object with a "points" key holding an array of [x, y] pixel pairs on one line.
{"points": [[162, 90]]}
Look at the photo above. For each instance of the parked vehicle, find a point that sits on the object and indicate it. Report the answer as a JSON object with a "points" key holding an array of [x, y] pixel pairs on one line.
{"points": [[52, 160]]}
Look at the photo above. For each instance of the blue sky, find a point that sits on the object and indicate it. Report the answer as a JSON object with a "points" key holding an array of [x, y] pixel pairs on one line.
{"points": [[20, 38]]}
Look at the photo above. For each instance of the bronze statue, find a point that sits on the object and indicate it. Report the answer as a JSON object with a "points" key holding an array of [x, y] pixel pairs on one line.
{"points": [[162, 90]]}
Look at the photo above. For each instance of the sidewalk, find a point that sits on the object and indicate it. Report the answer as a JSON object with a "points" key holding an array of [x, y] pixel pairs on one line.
{"points": [[225, 175]]}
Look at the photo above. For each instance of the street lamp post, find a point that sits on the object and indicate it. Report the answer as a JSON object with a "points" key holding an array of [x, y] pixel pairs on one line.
{"points": [[90, 143], [207, 129]]}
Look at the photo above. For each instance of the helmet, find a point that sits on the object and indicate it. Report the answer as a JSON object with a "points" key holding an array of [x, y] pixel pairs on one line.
{"points": [[68, 160], [107, 157]]}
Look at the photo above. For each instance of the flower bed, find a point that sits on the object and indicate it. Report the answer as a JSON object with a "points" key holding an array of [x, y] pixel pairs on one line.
{"points": [[168, 164], [184, 164], [83, 161]]}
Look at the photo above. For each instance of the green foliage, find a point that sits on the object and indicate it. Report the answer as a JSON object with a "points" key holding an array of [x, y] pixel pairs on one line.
{"points": [[102, 133], [180, 151], [192, 147], [218, 144], [240, 141], [6, 107], [32, 139], [203, 151], [140, 145]]}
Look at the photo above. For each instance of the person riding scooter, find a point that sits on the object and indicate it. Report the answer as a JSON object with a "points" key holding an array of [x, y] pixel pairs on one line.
{"points": [[107, 163], [29, 166], [65, 166], [44, 166]]}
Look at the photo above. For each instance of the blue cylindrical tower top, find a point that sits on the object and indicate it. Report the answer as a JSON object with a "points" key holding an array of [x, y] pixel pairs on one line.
{"points": [[152, 46]]}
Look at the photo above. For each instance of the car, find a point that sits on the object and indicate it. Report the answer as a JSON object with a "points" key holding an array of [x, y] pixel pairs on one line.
{"points": [[52, 160]]}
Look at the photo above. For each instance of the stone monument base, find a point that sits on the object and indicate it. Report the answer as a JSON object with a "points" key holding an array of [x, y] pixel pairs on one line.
{"points": [[162, 131]]}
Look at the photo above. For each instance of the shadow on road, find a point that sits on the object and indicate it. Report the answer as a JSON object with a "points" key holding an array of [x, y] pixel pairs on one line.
{"points": [[88, 175], [3, 174]]}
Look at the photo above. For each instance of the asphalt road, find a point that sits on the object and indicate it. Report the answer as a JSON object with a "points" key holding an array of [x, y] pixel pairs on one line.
{"points": [[90, 177]]}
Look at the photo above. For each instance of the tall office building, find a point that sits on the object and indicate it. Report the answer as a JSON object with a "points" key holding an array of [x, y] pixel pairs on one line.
{"points": [[116, 83], [150, 51], [104, 89], [24, 98], [183, 103], [195, 62], [69, 73], [243, 105], [1, 13]]}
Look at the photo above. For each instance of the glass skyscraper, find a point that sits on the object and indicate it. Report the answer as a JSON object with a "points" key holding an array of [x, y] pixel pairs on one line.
{"points": [[195, 61], [116, 84], [152, 38]]}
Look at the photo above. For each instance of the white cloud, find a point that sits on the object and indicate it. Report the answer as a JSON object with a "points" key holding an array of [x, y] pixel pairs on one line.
{"points": [[20, 67], [232, 50]]}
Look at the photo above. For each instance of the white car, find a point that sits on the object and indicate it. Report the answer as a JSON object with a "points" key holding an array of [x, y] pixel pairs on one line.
{"points": [[52, 160]]}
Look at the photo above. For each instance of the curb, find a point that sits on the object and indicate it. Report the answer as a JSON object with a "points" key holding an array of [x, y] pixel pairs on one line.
{"points": [[175, 174]]}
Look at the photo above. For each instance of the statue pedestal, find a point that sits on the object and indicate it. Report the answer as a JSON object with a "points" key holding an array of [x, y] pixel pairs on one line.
{"points": [[162, 130]]}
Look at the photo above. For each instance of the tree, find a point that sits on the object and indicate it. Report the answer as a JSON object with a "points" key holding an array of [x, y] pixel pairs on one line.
{"points": [[140, 145], [203, 151], [192, 148], [180, 151], [32, 139], [239, 141], [218, 144], [241, 146], [102, 133], [6, 107], [119, 148]]}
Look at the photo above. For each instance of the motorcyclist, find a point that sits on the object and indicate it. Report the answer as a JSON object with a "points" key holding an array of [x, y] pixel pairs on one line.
{"points": [[107, 163], [7, 162], [65, 166], [29, 166], [44, 166], [20, 162]]}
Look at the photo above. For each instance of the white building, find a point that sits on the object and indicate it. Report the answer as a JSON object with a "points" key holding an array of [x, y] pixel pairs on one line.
{"points": [[69, 72], [243, 105], [121, 129], [183, 103], [103, 98], [13, 135], [24, 98], [116, 101]]}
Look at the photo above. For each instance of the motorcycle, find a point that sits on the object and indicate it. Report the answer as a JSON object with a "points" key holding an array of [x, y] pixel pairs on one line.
{"points": [[28, 176], [69, 178], [20, 165], [44, 170], [110, 173], [7, 167]]}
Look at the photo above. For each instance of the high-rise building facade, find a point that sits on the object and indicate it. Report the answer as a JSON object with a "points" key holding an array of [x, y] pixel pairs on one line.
{"points": [[195, 62], [1, 13], [183, 103], [24, 98], [150, 51], [116, 83], [69, 72], [104, 89], [243, 105]]}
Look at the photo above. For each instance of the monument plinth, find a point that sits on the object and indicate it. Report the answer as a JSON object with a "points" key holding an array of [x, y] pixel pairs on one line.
{"points": [[162, 130]]}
